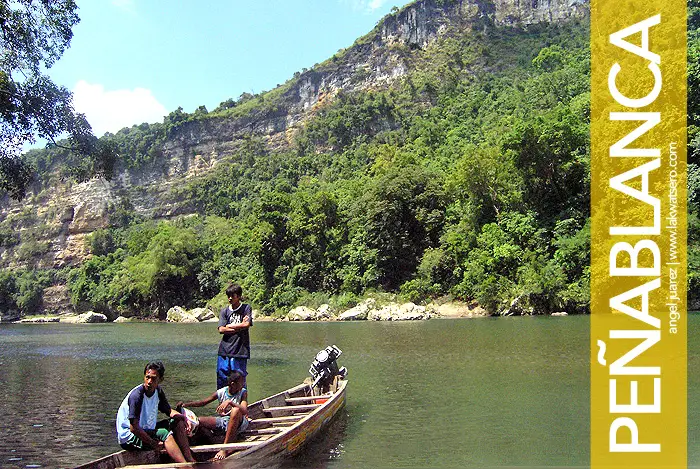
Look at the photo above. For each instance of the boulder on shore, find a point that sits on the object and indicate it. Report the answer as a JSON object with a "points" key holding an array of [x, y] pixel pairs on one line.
{"points": [[304, 313], [396, 312], [324, 313], [9, 316], [123, 319], [37, 320], [179, 314], [457, 309], [90, 317], [301, 313], [202, 314], [359, 312]]}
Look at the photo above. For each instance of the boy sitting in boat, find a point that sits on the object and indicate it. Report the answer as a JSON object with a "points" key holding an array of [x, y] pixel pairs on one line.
{"points": [[137, 425], [232, 410]]}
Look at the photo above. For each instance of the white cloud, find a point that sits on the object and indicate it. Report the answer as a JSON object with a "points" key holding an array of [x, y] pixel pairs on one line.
{"points": [[365, 5], [374, 4], [126, 5], [110, 111]]}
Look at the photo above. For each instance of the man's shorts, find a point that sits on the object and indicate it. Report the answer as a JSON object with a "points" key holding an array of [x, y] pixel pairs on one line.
{"points": [[224, 365], [222, 424], [161, 432]]}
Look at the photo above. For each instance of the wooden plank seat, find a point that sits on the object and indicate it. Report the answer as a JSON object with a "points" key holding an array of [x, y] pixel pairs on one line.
{"points": [[285, 419], [296, 400], [234, 446], [290, 409]]}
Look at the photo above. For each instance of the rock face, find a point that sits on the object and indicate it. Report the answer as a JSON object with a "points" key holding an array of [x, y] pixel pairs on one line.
{"points": [[71, 211], [56, 300], [526, 12]]}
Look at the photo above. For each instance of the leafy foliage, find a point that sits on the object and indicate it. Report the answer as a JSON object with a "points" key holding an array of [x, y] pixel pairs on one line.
{"points": [[474, 186], [469, 178], [21, 290], [34, 36]]}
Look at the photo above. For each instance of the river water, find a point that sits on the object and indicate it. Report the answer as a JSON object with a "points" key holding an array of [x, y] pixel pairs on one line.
{"points": [[440, 393]]}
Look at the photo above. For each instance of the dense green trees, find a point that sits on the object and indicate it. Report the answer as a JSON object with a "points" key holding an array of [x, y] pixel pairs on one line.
{"points": [[468, 179], [21, 290], [34, 36], [476, 189]]}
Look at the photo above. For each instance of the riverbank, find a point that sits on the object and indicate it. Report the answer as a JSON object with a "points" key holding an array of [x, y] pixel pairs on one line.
{"points": [[367, 310]]}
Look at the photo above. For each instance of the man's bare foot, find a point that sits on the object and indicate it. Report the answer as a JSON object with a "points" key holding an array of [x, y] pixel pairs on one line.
{"points": [[221, 455]]}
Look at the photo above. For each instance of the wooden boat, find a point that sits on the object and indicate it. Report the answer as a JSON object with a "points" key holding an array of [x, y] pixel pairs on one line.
{"points": [[280, 426]]}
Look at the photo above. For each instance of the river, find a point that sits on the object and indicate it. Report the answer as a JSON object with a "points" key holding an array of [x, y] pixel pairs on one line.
{"points": [[489, 392]]}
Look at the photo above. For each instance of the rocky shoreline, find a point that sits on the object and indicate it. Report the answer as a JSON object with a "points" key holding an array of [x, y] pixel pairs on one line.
{"points": [[366, 310]]}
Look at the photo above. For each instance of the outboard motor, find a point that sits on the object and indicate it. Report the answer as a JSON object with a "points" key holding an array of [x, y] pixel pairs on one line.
{"points": [[324, 368]]}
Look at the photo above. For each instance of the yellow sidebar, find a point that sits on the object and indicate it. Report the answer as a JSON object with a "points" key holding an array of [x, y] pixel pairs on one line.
{"points": [[638, 245]]}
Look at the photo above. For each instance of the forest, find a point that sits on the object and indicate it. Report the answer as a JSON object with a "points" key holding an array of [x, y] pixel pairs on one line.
{"points": [[466, 179]]}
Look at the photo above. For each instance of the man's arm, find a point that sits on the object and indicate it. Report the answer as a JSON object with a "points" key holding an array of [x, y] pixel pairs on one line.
{"points": [[231, 328], [141, 433], [223, 407], [175, 415]]}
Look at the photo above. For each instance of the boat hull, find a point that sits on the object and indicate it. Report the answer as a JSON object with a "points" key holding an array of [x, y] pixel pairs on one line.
{"points": [[282, 435]]}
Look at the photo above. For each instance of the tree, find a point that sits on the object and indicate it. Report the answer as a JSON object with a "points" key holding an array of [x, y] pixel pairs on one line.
{"points": [[33, 36]]}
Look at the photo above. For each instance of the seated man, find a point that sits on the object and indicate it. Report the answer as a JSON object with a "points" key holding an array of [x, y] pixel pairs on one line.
{"points": [[137, 425], [232, 409]]}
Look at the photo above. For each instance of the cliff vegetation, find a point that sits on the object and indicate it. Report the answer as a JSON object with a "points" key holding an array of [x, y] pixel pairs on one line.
{"points": [[443, 155]]}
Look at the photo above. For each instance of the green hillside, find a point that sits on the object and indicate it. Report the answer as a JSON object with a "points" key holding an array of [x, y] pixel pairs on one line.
{"points": [[468, 178]]}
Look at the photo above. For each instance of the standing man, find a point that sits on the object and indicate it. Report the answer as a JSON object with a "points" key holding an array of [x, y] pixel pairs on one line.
{"points": [[234, 349], [138, 427]]}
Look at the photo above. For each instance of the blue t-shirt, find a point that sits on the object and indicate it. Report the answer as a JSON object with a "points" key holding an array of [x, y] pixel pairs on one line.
{"points": [[137, 404]]}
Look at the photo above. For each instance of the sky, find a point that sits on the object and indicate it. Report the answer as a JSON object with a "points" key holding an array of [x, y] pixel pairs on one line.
{"points": [[135, 61]]}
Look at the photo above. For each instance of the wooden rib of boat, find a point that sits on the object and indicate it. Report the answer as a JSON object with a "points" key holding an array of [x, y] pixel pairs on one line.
{"points": [[280, 426]]}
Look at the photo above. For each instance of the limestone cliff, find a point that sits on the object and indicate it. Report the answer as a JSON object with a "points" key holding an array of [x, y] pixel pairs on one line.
{"points": [[60, 216]]}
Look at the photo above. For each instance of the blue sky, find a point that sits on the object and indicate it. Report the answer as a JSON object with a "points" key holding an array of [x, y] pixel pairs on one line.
{"points": [[134, 61]]}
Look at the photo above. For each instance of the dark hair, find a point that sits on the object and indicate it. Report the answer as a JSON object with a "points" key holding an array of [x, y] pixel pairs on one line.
{"points": [[234, 289], [234, 375], [158, 366]]}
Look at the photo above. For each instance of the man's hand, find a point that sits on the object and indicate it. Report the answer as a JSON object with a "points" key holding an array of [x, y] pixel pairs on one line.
{"points": [[156, 444], [221, 409]]}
